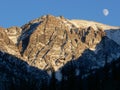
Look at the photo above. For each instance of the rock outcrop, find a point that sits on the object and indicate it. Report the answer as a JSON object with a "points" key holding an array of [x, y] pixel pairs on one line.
{"points": [[6, 44], [57, 46], [49, 42], [13, 33]]}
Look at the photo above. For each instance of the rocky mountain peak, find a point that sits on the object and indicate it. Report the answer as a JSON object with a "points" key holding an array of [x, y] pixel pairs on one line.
{"points": [[6, 44], [50, 42], [53, 41], [50, 53], [13, 33]]}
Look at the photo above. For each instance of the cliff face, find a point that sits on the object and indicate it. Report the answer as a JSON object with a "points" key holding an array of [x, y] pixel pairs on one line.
{"points": [[6, 44], [50, 43], [13, 33], [53, 41]]}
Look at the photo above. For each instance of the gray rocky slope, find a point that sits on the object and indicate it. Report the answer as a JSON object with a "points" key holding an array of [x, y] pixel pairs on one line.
{"points": [[49, 43]]}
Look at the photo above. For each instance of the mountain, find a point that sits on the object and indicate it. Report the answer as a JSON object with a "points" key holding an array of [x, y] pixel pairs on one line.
{"points": [[59, 48]]}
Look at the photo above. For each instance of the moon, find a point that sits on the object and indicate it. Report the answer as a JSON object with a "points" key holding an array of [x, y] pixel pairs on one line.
{"points": [[106, 12]]}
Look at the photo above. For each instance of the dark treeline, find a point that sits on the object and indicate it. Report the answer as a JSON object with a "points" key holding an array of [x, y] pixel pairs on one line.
{"points": [[106, 78], [15, 75]]}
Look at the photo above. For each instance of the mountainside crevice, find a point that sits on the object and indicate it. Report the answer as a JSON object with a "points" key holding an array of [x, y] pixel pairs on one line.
{"points": [[50, 42], [55, 53]]}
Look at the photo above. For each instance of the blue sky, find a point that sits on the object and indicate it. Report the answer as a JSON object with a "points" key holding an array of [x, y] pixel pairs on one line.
{"points": [[19, 12]]}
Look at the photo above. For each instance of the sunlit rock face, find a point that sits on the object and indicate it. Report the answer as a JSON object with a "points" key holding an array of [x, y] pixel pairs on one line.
{"points": [[6, 44], [13, 33], [49, 42], [53, 41], [53, 50]]}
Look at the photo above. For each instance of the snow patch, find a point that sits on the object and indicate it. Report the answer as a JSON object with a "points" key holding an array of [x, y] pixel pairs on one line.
{"points": [[29, 31], [114, 35], [28, 68], [58, 75], [101, 63], [95, 25], [77, 72], [49, 73], [67, 24]]}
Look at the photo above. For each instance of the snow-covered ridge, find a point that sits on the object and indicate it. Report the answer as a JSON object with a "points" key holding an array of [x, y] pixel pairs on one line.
{"points": [[85, 23], [50, 42], [112, 32]]}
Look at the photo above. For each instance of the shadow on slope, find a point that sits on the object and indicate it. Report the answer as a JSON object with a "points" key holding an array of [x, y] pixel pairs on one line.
{"points": [[76, 78], [25, 36], [16, 74], [94, 70], [114, 34]]}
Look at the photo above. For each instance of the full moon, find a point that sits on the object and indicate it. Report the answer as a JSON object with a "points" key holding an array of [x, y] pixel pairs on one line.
{"points": [[105, 12]]}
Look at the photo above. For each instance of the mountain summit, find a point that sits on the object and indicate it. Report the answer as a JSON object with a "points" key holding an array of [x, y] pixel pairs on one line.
{"points": [[49, 43]]}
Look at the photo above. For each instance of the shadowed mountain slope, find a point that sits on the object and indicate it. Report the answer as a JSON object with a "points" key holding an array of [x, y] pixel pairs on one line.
{"points": [[49, 43]]}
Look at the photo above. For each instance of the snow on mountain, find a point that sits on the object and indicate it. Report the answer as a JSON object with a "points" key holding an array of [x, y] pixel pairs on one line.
{"points": [[13, 33], [59, 45], [114, 34], [95, 25]]}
